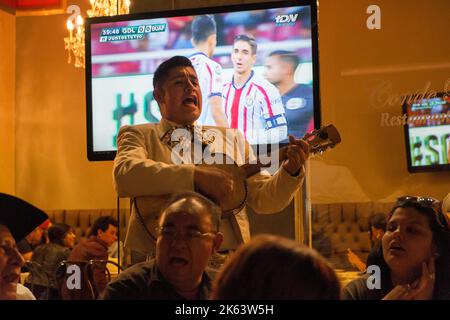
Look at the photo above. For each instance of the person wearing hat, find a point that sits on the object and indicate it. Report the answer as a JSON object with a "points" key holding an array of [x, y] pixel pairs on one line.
{"points": [[17, 219]]}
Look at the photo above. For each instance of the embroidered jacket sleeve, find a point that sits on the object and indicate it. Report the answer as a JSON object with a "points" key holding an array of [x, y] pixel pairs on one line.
{"points": [[135, 174]]}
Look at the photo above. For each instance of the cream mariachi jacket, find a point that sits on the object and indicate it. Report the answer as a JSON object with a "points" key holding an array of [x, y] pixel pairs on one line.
{"points": [[143, 167]]}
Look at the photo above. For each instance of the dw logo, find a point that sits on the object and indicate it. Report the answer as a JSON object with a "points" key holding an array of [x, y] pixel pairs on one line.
{"points": [[286, 18]]}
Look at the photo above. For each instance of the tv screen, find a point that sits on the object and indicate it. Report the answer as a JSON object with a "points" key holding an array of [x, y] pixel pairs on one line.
{"points": [[242, 69], [427, 133]]}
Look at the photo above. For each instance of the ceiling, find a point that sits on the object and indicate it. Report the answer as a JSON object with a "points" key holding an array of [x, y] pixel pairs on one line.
{"points": [[32, 5]]}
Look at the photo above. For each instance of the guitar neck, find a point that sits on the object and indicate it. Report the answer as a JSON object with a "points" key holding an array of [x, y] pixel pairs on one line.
{"points": [[318, 140]]}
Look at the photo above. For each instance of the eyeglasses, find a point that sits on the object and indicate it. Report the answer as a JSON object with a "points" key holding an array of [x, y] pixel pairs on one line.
{"points": [[427, 202], [171, 233]]}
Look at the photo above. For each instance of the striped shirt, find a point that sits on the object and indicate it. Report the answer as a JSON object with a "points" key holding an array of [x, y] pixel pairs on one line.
{"points": [[256, 110], [209, 74]]}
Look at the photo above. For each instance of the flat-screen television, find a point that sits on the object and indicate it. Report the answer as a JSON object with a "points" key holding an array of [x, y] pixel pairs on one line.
{"points": [[427, 133], [278, 54]]}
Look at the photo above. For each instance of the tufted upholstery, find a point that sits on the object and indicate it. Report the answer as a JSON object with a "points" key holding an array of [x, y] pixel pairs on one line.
{"points": [[345, 225]]}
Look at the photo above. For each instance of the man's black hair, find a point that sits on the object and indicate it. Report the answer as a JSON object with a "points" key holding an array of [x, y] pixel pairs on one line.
{"points": [[378, 221], [164, 68], [202, 27], [102, 223], [212, 207], [57, 233], [288, 57], [249, 39]]}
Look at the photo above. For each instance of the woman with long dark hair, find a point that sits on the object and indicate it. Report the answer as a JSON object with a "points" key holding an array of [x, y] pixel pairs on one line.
{"points": [[49, 256], [414, 257]]}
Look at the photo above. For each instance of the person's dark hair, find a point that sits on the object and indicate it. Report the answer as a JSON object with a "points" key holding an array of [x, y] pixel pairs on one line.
{"points": [[378, 221], [102, 223], [441, 238], [275, 268], [164, 68], [249, 39], [202, 27], [57, 233], [287, 56], [212, 207]]}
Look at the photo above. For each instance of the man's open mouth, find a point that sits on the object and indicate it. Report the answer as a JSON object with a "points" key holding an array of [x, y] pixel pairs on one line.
{"points": [[190, 100], [178, 261]]}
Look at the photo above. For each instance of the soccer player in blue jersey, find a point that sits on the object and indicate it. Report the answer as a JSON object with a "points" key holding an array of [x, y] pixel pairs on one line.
{"points": [[297, 98]]}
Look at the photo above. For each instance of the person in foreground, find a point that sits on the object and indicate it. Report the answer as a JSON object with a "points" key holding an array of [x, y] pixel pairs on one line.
{"points": [[414, 258], [276, 268], [17, 219], [187, 238]]}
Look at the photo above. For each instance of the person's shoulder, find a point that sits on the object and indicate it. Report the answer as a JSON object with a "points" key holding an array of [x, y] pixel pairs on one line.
{"points": [[23, 293], [138, 132], [41, 248], [227, 84], [303, 89], [132, 283], [144, 270], [97, 243], [358, 289], [215, 65], [62, 250], [197, 57], [78, 250], [92, 248], [138, 128]]}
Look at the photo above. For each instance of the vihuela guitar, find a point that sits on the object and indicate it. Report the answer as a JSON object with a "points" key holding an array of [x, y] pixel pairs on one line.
{"points": [[148, 208]]}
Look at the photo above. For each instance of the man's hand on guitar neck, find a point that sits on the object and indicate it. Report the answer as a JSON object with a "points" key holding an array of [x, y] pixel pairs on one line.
{"points": [[297, 153], [212, 182]]}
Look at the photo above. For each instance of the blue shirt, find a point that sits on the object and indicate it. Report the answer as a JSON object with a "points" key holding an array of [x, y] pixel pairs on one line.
{"points": [[299, 107]]}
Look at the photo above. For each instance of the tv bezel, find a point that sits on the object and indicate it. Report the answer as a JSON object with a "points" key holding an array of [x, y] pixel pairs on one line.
{"points": [[419, 169], [110, 155]]}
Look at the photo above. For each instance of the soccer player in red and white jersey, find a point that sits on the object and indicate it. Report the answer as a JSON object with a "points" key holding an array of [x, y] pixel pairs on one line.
{"points": [[209, 72], [252, 104]]}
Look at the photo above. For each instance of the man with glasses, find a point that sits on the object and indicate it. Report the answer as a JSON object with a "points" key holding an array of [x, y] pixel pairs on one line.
{"points": [[187, 238]]}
